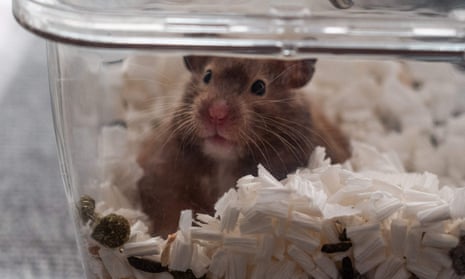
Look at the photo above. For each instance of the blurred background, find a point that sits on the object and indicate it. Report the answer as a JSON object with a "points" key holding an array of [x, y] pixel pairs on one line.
{"points": [[36, 232]]}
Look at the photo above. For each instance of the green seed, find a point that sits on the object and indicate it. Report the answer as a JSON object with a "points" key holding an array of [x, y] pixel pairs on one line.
{"points": [[86, 208], [112, 231]]}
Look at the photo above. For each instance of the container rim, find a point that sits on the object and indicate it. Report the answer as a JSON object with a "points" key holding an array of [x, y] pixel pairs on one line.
{"points": [[426, 37]]}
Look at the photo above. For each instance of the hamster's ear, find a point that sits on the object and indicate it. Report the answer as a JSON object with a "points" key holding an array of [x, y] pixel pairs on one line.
{"points": [[195, 63], [297, 73]]}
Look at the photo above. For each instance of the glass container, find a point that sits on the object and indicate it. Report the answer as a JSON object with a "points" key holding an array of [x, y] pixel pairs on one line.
{"points": [[260, 139]]}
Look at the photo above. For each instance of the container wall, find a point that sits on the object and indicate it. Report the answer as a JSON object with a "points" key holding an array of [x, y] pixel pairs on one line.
{"points": [[150, 142]]}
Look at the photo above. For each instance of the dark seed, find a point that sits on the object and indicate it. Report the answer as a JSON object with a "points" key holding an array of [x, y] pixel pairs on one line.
{"points": [[458, 259], [336, 247], [342, 4], [433, 140], [347, 269], [343, 235], [462, 240], [112, 231], [185, 275], [117, 61], [86, 208], [146, 265], [417, 85]]}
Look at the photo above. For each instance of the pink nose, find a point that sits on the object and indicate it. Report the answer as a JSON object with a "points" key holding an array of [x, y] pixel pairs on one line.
{"points": [[218, 112]]}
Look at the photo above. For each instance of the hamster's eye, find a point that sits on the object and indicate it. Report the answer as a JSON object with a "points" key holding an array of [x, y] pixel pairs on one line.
{"points": [[258, 87], [207, 77]]}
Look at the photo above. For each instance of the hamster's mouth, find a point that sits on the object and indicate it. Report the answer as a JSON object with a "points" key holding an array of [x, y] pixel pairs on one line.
{"points": [[218, 140], [219, 147]]}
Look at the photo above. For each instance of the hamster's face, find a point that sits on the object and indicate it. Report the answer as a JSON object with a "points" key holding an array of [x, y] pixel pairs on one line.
{"points": [[232, 106]]}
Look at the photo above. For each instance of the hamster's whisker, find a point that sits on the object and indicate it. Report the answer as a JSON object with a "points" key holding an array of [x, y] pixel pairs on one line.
{"points": [[262, 125], [294, 151], [294, 132], [194, 87], [187, 139], [182, 123], [251, 136], [249, 141], [282, 73], [153, 113], [301, 135], [167, 121], [289, 124], [176, 110], [258, 140], [245, 140], [273, 101], [287, 121], [162, 126], [156, 81], [189, 136], [152, 99], [297, 137]]}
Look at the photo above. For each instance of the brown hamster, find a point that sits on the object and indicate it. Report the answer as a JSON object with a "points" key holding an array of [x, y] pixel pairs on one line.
{"points": [[234, 114]]}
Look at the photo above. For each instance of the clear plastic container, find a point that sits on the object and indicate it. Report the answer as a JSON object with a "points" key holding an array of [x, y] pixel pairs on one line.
{"points": [[260, 139]]}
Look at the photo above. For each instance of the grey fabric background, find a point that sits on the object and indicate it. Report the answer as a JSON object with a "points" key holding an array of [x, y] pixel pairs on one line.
{"points": [[36, 232]]}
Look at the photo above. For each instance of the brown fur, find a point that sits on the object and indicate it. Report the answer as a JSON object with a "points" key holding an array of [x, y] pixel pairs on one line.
{"points": [[278, 130]]}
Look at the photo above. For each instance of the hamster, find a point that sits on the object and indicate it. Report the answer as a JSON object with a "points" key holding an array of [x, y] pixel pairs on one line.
{"points": [[234, 114]]}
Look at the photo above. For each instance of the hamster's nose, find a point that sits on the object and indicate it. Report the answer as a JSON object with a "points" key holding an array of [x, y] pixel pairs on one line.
{"points": [[218, 112]]}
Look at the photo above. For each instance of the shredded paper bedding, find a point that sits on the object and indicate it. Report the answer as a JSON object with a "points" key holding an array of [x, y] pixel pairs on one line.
{"points": [[393, 210]]}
